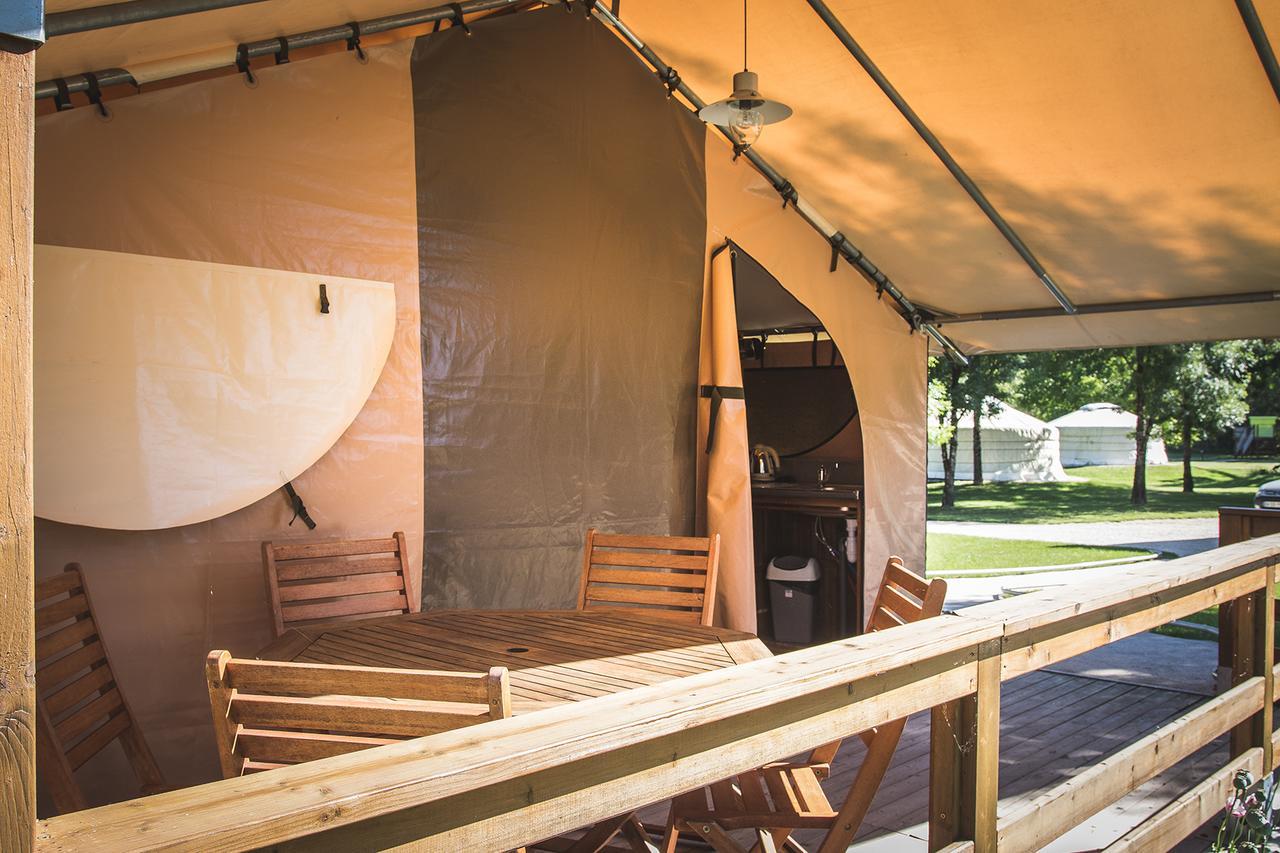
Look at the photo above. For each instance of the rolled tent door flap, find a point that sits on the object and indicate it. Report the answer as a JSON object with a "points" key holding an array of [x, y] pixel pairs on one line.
{"points": [[170, 392], [724, 475]]}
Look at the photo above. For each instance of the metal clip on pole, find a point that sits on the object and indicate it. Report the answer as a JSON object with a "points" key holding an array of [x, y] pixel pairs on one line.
{"points": [[458, 20], [353, 43], [242, 65]]}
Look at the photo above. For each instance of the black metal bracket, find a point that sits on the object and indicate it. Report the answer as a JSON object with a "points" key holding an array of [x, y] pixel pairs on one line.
{"points": [[242, 64], [94, 91], [353, 43], [324, 298], [671, 79], [458, 20], [590, 7], [738, 150], [788, 193], [837, 241], [282, 52], [62, 100]]}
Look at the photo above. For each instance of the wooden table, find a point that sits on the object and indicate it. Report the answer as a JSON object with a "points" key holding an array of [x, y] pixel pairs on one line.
{"points": [[554, 656]]}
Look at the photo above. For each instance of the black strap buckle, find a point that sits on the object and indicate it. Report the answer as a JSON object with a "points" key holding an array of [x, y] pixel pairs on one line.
{"points": [[458, 20], [353, 43], [299, 508], [242, 64], [718, 394], [282, 52]]}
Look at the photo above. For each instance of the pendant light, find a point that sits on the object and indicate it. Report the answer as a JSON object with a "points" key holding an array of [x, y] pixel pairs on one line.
{"points": [[746, 111]]}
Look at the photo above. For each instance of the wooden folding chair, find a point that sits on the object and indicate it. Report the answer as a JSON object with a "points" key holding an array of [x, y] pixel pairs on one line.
{"points": [[268, 715], [80, 708], [779, 798], [670, 577], [338, 580]]}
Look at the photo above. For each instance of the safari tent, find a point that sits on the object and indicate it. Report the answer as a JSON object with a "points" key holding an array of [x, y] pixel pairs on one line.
{"points": [[477, 273], [1016, 447]]}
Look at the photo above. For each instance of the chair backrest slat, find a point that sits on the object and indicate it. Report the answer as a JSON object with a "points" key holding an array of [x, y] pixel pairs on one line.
{"points": [[268, 714], [668, 577], [337, 580], [904, 597], [80, 709]]}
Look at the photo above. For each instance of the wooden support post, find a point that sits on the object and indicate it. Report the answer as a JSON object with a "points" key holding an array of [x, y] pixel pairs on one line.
{"points": [[1253, 654], [17, 573], [964, 761]]}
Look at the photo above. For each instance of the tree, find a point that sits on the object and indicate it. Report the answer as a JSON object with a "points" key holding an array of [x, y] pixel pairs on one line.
{"points": [[946, 399], [1212, 382], [986, 377]]}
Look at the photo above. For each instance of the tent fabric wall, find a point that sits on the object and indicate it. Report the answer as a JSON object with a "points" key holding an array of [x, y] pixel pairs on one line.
{"points": [[312, 171], [562, 219], [886, 362], [1016, 447]]}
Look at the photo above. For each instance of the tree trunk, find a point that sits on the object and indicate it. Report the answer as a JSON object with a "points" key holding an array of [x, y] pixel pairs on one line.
{"points": [[1138, 495], [949, 452], [977, 446], [1188, 482]]}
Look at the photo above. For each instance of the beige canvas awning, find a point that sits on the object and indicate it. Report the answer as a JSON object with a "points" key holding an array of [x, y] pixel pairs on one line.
{"points": [[1132, 146]]}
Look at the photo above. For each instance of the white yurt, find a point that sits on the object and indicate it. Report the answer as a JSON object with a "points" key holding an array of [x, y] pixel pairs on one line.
{"points": [[1016, 447], [1103, 434]]}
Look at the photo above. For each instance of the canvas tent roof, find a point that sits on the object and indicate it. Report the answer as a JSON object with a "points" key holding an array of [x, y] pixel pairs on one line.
{"points": [[1130, 145], [1098, 415]]}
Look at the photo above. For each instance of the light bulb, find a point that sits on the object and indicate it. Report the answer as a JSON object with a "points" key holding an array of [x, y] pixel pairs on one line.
{"points": [[746, 126]]}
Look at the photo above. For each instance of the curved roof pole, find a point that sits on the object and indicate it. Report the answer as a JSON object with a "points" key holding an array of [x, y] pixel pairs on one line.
{"points": [[833, 23], [1260, 43]]}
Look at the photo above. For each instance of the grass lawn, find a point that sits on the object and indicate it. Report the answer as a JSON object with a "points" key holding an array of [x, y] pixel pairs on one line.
{"points": [[949, 552], [1103, 494]]}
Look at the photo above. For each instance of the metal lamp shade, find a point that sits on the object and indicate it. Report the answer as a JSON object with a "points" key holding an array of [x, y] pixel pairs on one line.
{"points": [[746, 96]]}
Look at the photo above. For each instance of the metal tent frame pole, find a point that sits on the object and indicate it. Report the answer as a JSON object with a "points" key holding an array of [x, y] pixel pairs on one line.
{"points": [[1117, 307], [269, 47], [840, 243], [273, 46], [131, 12], [1261, 43], [833, 23]]}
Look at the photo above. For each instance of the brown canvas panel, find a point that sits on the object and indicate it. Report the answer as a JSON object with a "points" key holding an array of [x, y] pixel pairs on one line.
{"points": [[561, 222]]}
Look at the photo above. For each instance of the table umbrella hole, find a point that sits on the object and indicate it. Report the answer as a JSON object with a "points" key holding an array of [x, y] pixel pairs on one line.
{"points": [[517, 649]]}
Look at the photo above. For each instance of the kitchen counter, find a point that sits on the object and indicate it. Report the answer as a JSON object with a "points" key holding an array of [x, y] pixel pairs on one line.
{"points": [[834, 500]]}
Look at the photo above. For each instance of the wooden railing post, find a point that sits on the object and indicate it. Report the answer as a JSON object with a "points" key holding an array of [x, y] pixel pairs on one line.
{"points": [[1251, 639], [964, 761], [17, 619]]}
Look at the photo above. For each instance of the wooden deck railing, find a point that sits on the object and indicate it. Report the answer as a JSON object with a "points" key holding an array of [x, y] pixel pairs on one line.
{"points": [[512, 782]]}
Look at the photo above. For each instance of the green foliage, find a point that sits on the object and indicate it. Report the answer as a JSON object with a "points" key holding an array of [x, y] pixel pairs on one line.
{"points": [[1263, 393], [1250, 820]]}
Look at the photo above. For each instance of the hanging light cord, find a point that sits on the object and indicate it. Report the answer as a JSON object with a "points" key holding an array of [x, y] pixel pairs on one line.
{"points": [[744, 35]]}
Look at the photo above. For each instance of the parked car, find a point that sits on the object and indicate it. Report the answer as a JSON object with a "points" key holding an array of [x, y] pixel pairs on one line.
{"points": [[1268, 496]]}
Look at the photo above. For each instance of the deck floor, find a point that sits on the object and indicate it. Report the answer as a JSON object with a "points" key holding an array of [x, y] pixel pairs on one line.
{"points": [[1052, 726]]}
